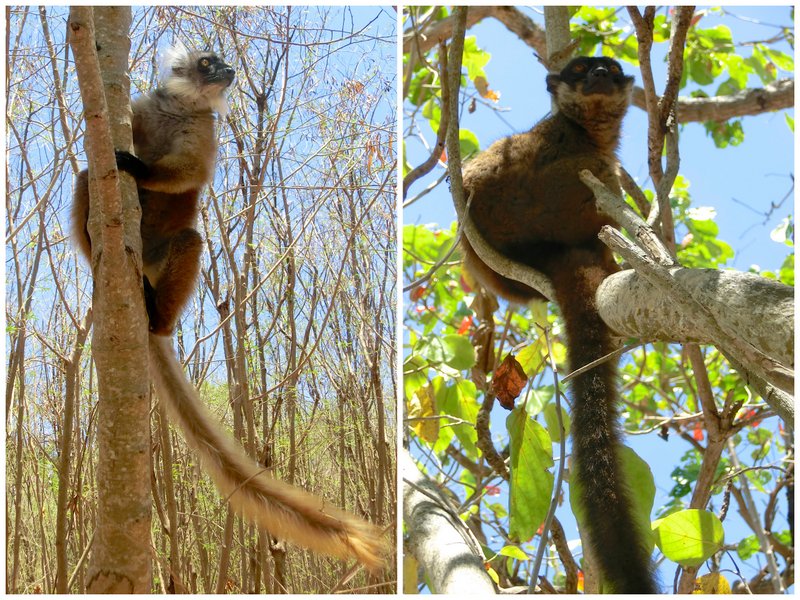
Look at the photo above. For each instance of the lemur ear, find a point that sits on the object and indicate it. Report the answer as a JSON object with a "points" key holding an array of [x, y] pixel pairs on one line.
{"points": [[172, 59], [552, 82]]}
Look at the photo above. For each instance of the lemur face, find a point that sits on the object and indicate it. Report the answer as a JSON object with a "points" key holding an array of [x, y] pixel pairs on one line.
{"points": [[591, 88]]}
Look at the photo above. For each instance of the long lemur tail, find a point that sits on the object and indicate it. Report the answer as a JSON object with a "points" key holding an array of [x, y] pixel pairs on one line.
{"points": [[285, 511], [618, 546]]}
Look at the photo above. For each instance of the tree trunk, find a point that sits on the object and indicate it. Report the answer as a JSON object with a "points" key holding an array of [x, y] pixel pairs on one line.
{"points": [[120, 560], [72, 370]]}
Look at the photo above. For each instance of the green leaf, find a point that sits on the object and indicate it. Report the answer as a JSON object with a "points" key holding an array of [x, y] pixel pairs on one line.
{"points": [[513, 552], [420, 242], [474, 59], [726, 88], [414, 375], [459, 352], [551, 419], [783, 61], [531, 357], [784, 537], [537, 398], [410, 571], [705, 228], [456, 351], [493, 575], [406, 165], [433, 112], [432, 348], [420, 90], [689, 537], [720, 37], [727, 133], [469, 481], [446, 437], [641, 484], [738, 70], [748, 547], [787, 271], [761, 66], [498, 510], [459, 400], [629, 51], [762, 440], [468, 142], [701, 68], [531, 483], [661, 29]]}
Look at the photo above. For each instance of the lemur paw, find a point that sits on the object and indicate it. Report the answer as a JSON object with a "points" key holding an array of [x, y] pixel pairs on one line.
{"points": [[130, 164]]}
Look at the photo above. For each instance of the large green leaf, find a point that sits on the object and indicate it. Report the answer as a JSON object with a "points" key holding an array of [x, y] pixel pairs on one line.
{"points": [[689, 537], [531, 475]]}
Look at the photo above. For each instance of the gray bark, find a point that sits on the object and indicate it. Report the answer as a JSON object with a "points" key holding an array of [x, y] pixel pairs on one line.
{"points": [[439, 539], [746, 305]]}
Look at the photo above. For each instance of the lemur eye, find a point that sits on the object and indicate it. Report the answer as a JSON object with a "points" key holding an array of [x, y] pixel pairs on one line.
{"points": [[579, 68], [614, 69], [204, 62]]}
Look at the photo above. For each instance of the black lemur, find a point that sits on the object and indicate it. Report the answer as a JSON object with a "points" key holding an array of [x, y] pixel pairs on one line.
{"points": [[529, 204], [175, 140]]}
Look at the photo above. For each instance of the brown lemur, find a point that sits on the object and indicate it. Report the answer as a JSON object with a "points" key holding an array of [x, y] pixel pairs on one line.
{"points": [[175, 140], [529, 204]]}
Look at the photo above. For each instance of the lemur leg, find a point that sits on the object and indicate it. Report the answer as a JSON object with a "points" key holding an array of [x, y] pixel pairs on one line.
{"points": [[175, 281]]}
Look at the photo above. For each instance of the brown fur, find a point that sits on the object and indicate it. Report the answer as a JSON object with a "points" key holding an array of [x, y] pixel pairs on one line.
{"points": [[529, 204], [174, 136], [176, 145]]}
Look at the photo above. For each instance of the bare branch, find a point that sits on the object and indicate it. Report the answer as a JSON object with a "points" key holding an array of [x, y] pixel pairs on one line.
{"points": [[516, 22], [677, 40], [436, 153], [774, 96]]}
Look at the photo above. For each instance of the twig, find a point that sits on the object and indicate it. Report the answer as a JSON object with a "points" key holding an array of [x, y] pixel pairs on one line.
{"points": [[436, 153]]}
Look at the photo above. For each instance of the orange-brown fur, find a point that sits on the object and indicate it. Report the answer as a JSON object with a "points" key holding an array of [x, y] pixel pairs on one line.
{"points": [[529, 204]]}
